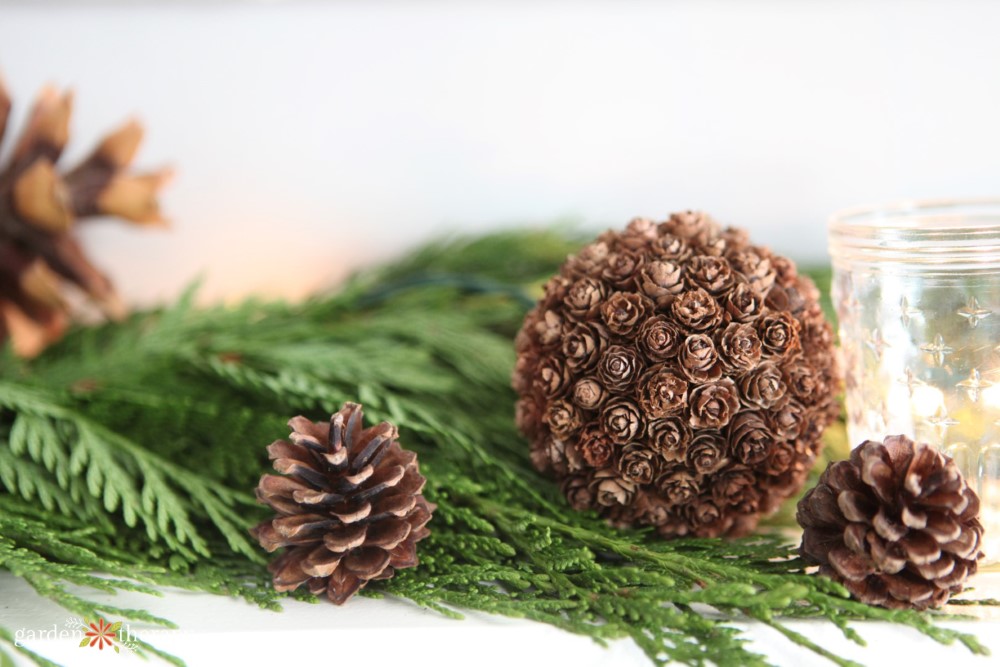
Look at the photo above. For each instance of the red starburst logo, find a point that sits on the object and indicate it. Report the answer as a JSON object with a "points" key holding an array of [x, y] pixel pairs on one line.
{"points": [[102, 633]]}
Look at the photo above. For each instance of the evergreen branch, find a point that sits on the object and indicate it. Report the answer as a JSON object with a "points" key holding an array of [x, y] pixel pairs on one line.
{"points": [[132, 447], [113, 468]]}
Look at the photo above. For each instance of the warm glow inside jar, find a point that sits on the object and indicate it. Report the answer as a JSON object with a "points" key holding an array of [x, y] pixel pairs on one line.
{"points": [[917, 292]]}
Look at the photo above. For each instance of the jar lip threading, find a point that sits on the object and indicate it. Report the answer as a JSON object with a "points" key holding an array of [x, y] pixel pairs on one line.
{"points": [[965, 232]]}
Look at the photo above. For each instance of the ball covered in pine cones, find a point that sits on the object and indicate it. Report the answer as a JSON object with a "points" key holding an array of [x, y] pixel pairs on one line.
{"points": [[896, 524], [676, 375], [349, 505]]}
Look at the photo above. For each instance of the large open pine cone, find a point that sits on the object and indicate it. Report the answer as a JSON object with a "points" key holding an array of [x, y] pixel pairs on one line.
{"points": [[39, 208], [896, 524], [349, 505], [676, 375]]}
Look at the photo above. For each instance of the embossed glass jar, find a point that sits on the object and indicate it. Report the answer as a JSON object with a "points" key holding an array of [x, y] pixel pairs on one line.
{"points": [[917, 292]]}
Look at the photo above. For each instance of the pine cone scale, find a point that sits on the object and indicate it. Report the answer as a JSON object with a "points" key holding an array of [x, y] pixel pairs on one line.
{"points": [[287, 570], [937, 569], [349, 514], [342, 587], [366, 562], [856, 506], [42, 201], [405, 554], [352, 482], [321, 562], [958, 574], [369, 450], [394, 506], [314, 497], [89, 179], [346, 537], [313, 435], [300, 524], [281, 449], [965, 546], [888, 528], [388, 534], [941, 528], [274, 488], [908, 587], [889, 558], [850, 565], [855, 537], [389, 477]]}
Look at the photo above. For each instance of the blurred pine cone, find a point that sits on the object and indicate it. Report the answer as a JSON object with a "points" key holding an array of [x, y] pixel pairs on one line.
{"points": [[896, 524], [675, 375], [39, 207], [349, 505]]}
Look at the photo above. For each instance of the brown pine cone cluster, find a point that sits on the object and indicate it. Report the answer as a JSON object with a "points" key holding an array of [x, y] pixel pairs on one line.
{"points": [[39, 208], [896, 524], [676, 375], [349, 505]]}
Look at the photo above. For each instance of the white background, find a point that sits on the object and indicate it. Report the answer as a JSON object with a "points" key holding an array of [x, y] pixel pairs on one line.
{"points": [[311, 138]]}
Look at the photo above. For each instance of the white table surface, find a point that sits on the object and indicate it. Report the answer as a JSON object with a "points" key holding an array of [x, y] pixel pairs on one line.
{"points": [[216, 630]]}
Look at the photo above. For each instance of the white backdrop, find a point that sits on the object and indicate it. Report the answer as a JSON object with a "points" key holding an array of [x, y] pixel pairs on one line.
{"points": [[311, 138]]}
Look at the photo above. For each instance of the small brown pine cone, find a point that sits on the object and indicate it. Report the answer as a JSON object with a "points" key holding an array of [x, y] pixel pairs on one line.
{"points": [[589, 394], [691, 382], [661, 281], [896, 524], [349, 505]]}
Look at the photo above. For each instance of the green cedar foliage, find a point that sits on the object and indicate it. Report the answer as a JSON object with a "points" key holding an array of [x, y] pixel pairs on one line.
{"points": [[135, 447]]}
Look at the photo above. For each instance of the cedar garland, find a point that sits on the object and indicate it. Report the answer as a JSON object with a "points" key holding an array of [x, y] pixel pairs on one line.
{"points": [[133, 447]]}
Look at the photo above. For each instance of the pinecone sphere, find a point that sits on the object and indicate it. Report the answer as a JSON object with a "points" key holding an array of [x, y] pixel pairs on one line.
{"points": [[896, 524], [349, 505], [676, 375]]}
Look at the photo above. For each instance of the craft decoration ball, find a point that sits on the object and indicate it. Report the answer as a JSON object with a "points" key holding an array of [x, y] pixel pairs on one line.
{"points": [[896, 524], [678, 376], [349, 505]]}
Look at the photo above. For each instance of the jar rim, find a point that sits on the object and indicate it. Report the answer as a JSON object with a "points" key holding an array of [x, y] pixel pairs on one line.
{"points": [[908, 212], [964, 233]]}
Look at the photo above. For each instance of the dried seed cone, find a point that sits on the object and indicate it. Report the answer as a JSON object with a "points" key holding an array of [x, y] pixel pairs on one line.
{"points": [[896, 524], [349, 505], [676, 375], [39, 209]]}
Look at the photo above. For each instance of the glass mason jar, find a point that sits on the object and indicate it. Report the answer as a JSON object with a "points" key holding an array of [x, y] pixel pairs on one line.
{"points": [[917, 292]]}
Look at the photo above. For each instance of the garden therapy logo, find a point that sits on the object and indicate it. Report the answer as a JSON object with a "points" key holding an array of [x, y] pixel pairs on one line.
{"points": [[100, 634], [90, 635]]}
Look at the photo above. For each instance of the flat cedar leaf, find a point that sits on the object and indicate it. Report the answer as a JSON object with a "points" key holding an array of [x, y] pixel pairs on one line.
{"points": [[17, 439]]}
